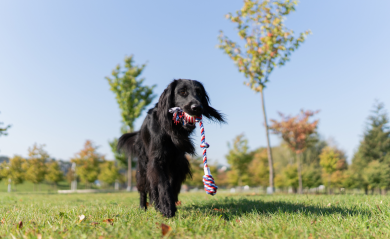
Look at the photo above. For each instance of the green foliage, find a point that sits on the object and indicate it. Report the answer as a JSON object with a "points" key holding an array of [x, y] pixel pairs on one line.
{"points": [[311, 177], [35, 166], [54, 173], [290, 174], [13, 170], [197, 171], [4, 131], [109, 173], [131, 95], [258, 169], [328, 160], [239, 159], [268, 43], [377, 175], [88, 161]]}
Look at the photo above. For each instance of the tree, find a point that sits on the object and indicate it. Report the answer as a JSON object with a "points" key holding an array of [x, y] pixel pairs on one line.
{"points": [[132, 97], [239, 159], [54, 173], [268, 43], [258, 168], [109, 173], [35, 165], [374, 146], [13, 170], [334, 164], [88, 161], [377, 175], [3, 131], [311, 177], [298, 133], [290, 175]]}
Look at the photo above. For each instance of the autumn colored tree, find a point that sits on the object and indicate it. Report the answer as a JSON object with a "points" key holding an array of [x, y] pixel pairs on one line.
{"points": [[333, 163], [88, 161], [239, 159], [13, 170], [109, 172], [268, 43], [54, 174], [35, 165], [132, 97], [298, 133]]}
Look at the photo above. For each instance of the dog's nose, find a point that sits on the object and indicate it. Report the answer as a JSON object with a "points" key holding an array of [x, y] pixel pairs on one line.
{"points": [[196, 108]]}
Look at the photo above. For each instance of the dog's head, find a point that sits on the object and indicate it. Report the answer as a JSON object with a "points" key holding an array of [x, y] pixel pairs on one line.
{"points": [[190, 96]]}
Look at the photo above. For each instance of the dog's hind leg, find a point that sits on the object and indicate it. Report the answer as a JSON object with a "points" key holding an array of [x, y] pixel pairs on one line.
{"points": [[142, 186]]}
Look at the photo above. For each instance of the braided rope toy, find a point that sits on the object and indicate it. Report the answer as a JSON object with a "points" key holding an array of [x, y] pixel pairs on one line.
{"points": [[179, 116]]}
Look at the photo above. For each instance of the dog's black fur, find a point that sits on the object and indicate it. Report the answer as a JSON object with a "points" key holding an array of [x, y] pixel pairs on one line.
{"points": [[160, 145]]}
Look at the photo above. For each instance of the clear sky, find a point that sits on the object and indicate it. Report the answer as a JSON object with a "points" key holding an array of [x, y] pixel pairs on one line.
{"points": [[54, 56]]}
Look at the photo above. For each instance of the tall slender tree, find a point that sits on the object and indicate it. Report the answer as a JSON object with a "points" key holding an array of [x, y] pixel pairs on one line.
{"points": [[132, 97], [268, 43], [35, 165], [298, 133]]}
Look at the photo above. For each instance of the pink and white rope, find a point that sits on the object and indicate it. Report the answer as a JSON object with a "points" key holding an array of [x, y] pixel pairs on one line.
{"points": [[180, 116]]}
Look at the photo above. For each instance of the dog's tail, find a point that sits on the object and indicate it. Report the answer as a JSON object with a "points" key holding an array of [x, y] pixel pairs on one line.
{"points": [[126, 143]]}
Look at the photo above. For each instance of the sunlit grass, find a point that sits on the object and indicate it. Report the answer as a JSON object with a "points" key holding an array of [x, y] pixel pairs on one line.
{"points": [[200, 216]]}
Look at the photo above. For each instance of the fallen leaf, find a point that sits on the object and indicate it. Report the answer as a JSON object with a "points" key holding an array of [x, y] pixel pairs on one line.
{"points": [[178, 203], [314, 221], [39, 236], [3, 221], [329, 205], [20, 225], [165, 229], [219, 210], [109, 221], [94, 223], [81, 218], [379, 208], [147, 204], [238, 220]]}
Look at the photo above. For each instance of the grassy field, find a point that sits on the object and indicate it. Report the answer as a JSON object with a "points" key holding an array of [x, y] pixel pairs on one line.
{"points": [[200, 216]]}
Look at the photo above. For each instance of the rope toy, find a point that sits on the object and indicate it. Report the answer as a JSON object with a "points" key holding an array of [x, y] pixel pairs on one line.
{"points": [[179, 116]]}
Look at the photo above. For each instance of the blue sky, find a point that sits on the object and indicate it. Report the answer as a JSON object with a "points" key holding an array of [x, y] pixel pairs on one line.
{"points": [[54, 56]]}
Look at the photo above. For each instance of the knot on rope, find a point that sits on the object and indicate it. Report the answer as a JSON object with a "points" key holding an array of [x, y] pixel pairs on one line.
{"points": [[209, 185], [180, 116]]}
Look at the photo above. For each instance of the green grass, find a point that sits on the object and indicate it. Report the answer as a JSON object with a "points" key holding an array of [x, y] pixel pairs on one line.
{"points": [[239, 216]]}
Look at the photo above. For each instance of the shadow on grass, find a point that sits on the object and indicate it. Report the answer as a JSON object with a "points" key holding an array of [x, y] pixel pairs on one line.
{"points": [[230, 207]]}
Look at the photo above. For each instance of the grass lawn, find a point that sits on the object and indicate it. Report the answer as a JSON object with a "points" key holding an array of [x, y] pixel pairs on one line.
{"points": [[200, 216]]}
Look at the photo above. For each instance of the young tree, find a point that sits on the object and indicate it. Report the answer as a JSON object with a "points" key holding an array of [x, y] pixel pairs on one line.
{"points": [[311, 177], [109, 173], [334, 164], [239, 159], [132, 97], [13, 170], [35, 165], [54, 173], [88, 161], [268, 43], [298, 133]]}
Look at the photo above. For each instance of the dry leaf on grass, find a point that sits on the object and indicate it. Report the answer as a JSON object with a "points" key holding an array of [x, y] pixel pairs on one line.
{"points": [[3, 221], [238, 220], [94, 223], [39, 236], [312, 222], [109, 221], [20, 225], [81, 218], [219, 210], [329, 205], [165, 229], [147, 204], [379, 208], [178, 203]]}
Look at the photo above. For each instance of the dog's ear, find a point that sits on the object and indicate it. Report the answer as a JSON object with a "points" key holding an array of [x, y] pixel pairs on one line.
{"points": [[166, 102], [209, 111]]}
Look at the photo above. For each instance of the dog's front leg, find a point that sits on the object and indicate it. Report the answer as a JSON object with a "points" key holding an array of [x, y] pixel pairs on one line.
{"points": [[164, 200]]}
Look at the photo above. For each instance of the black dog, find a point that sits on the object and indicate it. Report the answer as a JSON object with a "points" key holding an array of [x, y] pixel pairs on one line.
{"points": [[161, 145]]}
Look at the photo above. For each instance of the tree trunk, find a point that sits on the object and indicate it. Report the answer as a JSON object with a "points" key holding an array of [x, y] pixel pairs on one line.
{"points": [[269, 152], [129, 173], [300, 188]]}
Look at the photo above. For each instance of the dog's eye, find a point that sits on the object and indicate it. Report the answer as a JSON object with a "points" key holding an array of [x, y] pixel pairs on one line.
{"points": [[183, 92], [198, 92]]}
